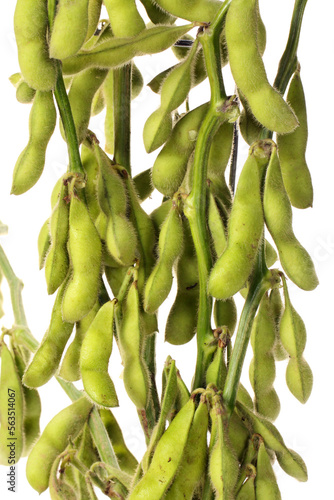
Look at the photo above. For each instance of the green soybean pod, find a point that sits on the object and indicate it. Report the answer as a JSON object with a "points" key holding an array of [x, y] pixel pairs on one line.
{"points": [[69, 30], [193, 10], [108, 93], [85, 251], [94, 357], [32, 404], [295, 260], [130, 339], [47, 357], [137, 82], [53, 441], [247, 490], [217, 370], [225, 314], [266, 103], [157, 129], [289, 460], [249, 127], [216, 227], [11, 395], [160, 280], [124, 17], [262, 369], [143, 184], [182, 318], [167, 457], [245, 228], [24, 93], [126, 460], [94, 11], [70, 367], [59, 489], [156, 14], [277, 308], [30, 26], [265, 482], [299, 376], [159, 214], [171, 163], [43, 243], [219, 155], [91, 168], [223, 463], [292, 149], [57, 260], [30, 163], [192, 467], [83, 88], [238, 435]]}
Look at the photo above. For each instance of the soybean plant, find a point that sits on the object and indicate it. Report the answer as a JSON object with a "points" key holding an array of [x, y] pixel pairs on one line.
{"points": [[110, 265]]}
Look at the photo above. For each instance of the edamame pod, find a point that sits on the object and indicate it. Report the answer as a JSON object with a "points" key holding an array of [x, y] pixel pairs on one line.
{"points": [[130, 339], [292, 149], [108, 92], [158, 216], [299, 376], [70, 367], [171, 163], [160, 280], [295, 260], [53, 441], [182, 318], [120, 236], [265, 481], [85, 251], [216, 227], [83, 88], [69, 30], [60, 489], [174, 90], [157, 15], [249, 127], [47, 357], [126, 460], [192, 467], [225, 314], [143, 184], [31, 26], [30, 163], [57, 260], [217, 370], [289, 460], [262, 367], [32, 404], [11, 396], [115, 52], [94, 357], [94, 10], [266, 103], [124, 17], [223, 463], [277, 308], [44, 242], [91, 168], [245, 228], [167, 457], [24, 93], [247, 490], [193, 10]]}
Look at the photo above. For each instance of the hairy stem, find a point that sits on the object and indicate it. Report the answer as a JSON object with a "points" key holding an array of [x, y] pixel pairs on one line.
{"points": [[122, 115]]}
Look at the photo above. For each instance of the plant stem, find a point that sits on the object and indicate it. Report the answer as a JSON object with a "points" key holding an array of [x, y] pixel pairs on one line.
{"points": [[195, 205], [122, 115], [287, 64], [260, 283]]}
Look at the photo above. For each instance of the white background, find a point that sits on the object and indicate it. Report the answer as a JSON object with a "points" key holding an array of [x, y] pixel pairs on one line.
{"points": [[307, 429]]}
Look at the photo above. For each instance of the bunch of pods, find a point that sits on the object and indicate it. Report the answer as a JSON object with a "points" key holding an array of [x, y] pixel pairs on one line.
{"points": [[111, 265]]}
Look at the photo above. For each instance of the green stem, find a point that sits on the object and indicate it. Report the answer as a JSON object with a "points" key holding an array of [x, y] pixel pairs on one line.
{"points": [[68, 124], [65, 108], [260, 283], [24, 336], [122, 115], [195, 206], [287, 64]]}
